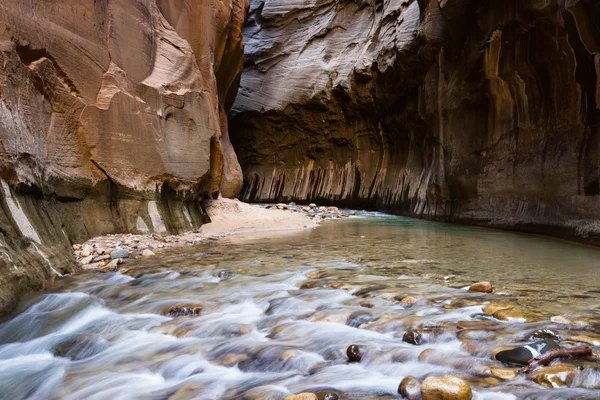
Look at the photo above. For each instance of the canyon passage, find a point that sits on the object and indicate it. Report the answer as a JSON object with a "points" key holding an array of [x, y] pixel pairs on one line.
{"points": [[135, 133]]}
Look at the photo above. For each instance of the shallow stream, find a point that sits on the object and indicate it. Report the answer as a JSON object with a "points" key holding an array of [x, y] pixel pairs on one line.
{"points": [[278, 314]]}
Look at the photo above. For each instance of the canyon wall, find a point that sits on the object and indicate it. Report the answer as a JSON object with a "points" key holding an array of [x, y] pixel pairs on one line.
{"points": [[112, 119], [482, 112]]}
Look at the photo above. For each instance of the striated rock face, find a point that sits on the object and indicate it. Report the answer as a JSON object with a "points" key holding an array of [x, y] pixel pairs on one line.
{"points": [[112, 118], [475, 111]]}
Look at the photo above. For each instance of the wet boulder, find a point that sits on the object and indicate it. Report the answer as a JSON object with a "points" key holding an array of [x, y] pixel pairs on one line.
{"points": [[410, 388], [447, 387], [520, 355]]}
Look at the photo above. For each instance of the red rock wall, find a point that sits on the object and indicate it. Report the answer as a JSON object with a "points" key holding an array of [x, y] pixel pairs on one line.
{"points": [[112, 114]]}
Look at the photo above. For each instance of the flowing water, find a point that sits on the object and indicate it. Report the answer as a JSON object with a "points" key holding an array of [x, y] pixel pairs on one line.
{"points": [[278, 313]]}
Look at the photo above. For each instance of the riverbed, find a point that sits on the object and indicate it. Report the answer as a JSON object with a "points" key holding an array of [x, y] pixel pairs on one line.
{"points": [[269, 317]]}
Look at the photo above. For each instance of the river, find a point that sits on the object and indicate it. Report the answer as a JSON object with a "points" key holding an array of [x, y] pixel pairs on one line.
{"points": [[278, 313]]}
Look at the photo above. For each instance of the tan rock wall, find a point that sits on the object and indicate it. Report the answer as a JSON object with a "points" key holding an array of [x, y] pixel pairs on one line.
{"points": [[473, 111]]}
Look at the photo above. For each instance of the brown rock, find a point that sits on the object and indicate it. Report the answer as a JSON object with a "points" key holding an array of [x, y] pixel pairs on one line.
{"points": [[506, 374], [560, 375], [510, 316], [179, 310], [493, 308], [410, 388], [447, 387], [482, 287], [303, 396], [354, 353]]}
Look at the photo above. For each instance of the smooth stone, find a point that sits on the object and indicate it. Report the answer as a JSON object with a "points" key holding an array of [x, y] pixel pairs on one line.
{"points": [[410, 388], [491, 309], [522, 354], [148, 253], [413, 337], [327, 396], [119, 253], [555, 376], [282, 206], [312, 205], [86, 260], [506, 374], [447, 387], [86, 250], [303, 396], [510, 315], [481, 287], [113, 266], [353, 352]]}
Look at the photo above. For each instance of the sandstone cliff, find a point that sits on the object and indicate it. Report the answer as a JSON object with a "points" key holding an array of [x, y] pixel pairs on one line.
{"points": [[476, 111], [112, 118]]}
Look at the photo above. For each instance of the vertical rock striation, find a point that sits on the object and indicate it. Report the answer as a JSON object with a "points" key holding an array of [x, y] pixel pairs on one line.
{"points": [[474, 111], [112, 118]]}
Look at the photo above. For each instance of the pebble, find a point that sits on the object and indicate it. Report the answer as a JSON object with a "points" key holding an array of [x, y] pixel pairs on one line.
{"points": [[481, 287], [410, 388], [86, 250], [148, 253], [86, 260], [113, 266], [354, 354], [119, 253], [413, 336], [447, 387]]}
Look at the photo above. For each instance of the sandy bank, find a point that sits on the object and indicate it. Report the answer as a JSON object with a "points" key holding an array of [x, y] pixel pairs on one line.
{"points": [[230, 218]]}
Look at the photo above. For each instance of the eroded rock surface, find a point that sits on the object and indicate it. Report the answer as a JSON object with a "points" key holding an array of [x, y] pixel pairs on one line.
{"points": [[112, 118], [473, 111]]}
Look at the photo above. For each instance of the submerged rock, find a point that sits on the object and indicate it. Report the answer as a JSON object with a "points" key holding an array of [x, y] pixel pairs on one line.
{"points": [[509, 315], [447, 387], [410, 388]]}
